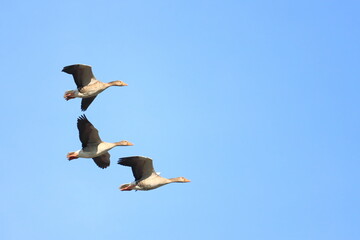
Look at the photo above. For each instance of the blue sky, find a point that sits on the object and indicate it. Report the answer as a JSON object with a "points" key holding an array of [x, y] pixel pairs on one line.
{"points": [[255, 101]]}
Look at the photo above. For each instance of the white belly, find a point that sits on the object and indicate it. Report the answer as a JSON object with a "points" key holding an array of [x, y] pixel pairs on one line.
{"points": [[90, 93], [92, 90], [94, 151]]}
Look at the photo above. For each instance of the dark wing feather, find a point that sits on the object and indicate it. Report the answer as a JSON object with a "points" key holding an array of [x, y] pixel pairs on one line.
{"points": [[141, 167], [102, 161], [82, 74], [88, 134], [85, 103]]}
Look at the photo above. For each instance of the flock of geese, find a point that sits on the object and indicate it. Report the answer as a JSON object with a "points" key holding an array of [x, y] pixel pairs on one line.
{"points": [[88, 87]]}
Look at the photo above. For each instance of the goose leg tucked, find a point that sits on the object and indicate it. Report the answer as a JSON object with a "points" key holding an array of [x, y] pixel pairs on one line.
{"points": [[69, 95], [127, 187], [72, 155]]}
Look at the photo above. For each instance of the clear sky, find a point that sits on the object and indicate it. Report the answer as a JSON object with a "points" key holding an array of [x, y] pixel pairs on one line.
{"points": [[256, 102]]}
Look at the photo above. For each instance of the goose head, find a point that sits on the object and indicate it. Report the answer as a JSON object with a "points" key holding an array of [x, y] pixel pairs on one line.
{"points": [[117, 83], [124, 143], [179, 180]]}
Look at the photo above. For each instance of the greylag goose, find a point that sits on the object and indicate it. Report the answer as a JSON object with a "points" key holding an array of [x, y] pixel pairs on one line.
{"points": [[92, 146], [88, 87], [145, 176]]}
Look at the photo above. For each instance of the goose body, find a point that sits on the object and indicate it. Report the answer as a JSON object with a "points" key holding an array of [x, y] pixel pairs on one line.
{"points": [[88, 87], [92, 145], [145, 176], [101, 148], [87, 91]]}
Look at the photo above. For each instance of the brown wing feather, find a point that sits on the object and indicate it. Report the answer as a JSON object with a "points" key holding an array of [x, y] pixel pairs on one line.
{"points": [[102, 161], [142, 167], [82, 74], [88, 134], [85, 103]]}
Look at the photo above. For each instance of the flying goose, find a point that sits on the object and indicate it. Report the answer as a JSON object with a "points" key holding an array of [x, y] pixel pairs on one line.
{"points": [[92, 146], [88, 87], [145, 176]]}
